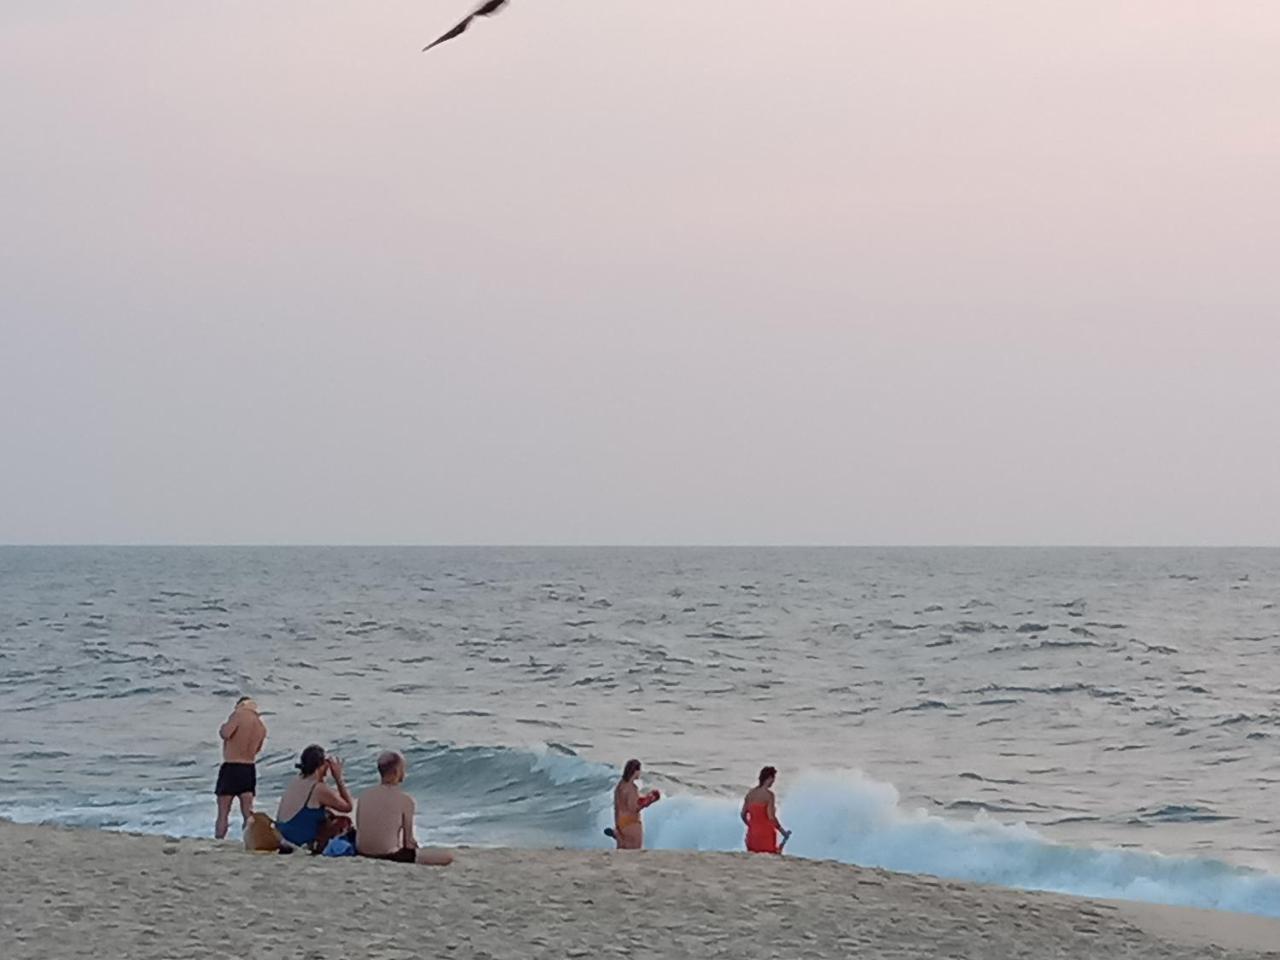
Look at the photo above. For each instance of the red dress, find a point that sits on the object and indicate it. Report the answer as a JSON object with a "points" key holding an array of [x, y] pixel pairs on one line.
{"points": [[762, 832]]}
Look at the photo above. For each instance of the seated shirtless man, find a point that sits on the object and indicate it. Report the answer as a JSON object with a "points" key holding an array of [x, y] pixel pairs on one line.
{"points": [[384, 820]]}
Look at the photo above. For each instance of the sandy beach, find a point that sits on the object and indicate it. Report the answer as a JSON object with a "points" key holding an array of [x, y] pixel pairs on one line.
{"points": [[80, 893]]}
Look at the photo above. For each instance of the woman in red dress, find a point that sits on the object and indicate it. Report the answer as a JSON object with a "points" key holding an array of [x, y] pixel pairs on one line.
{"points": [[760, 814]]}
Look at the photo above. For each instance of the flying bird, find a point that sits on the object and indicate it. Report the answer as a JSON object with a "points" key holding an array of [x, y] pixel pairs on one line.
{"points": [[486, 9]]}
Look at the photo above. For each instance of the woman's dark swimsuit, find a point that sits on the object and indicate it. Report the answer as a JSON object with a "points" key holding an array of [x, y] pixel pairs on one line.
{"points": [[304, 826]]}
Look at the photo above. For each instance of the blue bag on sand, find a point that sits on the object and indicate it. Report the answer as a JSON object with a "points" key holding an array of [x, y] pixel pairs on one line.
{"points": [[340, 847]]}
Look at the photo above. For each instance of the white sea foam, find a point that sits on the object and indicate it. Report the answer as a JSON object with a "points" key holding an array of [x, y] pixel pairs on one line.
{"points": [[551, 797], [849, 817]]}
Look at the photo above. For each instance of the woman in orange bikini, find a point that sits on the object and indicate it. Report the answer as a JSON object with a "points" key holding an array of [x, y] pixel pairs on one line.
{"points": [[628, 831], [760, 814]]}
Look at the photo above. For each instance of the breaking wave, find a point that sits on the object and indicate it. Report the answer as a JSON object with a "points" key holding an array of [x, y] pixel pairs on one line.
{"points": [[550, 796]]}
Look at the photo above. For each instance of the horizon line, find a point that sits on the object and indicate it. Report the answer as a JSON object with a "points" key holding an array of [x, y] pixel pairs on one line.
{"points": [[634, 546]]}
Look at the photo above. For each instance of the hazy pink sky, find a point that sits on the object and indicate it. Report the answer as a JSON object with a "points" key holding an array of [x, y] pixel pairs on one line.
{"points": [[634, 271]]}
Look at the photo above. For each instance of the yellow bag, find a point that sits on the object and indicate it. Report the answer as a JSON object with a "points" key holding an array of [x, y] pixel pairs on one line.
{"points": [[261, 835]]}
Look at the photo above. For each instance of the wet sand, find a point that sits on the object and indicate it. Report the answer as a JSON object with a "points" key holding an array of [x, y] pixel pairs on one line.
{"points": [[82, 893]]}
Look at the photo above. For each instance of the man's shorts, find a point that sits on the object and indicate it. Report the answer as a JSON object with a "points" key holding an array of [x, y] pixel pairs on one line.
{"points": [[235, 779], [404, 855]]}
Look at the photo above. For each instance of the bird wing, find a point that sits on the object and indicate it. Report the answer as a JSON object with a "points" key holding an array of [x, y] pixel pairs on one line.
{"points": [[486, 9], [457, 31]]}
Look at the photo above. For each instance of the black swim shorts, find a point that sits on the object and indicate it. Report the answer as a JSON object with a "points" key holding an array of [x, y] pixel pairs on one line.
{"points": [[235, 779], [403, 855]]}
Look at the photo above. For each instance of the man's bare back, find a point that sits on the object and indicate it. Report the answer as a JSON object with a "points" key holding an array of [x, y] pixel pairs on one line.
{"points": [[243, 734], [242, 737], [384, 821]]}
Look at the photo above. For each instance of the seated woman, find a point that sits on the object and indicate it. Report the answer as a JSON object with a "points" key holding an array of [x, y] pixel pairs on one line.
{"points": [[760, 814], [307, 816]]}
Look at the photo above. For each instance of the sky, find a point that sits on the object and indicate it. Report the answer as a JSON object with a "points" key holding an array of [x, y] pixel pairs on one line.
{"points": [[640, 272]]}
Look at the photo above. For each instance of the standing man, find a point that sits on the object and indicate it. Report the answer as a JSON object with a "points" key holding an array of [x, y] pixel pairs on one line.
{"points": [[242, 738], [628, 831], [384, 820]]}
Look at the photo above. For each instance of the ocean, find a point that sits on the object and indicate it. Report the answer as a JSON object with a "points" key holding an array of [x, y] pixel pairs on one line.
{"points": [[1093, 721]]}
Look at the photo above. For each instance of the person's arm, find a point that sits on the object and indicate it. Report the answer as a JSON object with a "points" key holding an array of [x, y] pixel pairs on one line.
{"points": [[228, 729], [338, 801], [773, 814], [743, 813], [410, 810]]}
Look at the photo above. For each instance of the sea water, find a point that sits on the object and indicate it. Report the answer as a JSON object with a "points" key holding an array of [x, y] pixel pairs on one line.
{"points": [[1095, 721]]}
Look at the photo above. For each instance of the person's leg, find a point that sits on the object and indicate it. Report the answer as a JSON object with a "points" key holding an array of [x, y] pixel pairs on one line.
{"points": [[246, 807], [434, 857], [631, 837], [224, 814]]}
